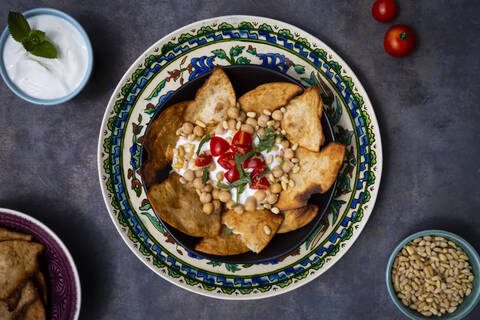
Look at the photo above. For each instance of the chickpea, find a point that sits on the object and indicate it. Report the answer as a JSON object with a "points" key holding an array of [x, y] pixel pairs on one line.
{"points": [[199, 173], [250, 204], [215, 193], [198, 131], [187, 128], [231, 124], [217, 206], [277, 115], [276, 188], [220, 175], [189, 175], [230, 203], [285, 144], [247, 128], [276, 124], [239, 209], [262, 120], [197, 183], [277, 172], [212, 166], [207, 188], [219, 130], [287, 166], [224, 196], [205, 197], [289, 154], [252, 122], [242, 117], [272, 198], [261, 132], [260, 195], [233, 112], [207, 208]]}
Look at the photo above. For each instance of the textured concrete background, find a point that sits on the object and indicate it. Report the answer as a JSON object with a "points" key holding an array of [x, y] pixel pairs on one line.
{"points": [[426, 104]]}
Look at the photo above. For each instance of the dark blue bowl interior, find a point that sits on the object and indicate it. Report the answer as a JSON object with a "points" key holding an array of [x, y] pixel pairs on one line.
{"points": [[245, 78]]}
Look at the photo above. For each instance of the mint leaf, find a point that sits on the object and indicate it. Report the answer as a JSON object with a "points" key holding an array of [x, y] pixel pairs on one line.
{"points": [[36, 37], [202, 142], [45, 50], [18, 26], [205, 174]]}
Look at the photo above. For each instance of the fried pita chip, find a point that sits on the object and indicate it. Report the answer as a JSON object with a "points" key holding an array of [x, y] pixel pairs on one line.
{"points": [[212, 100], [268, 96], [160, 141], [225, 244], [35, 311], [297, 218], [28, 295], [256, 228], [18, 261], [6, 234], [301, 121], [39, 281], [179, 206], [318, 172]]}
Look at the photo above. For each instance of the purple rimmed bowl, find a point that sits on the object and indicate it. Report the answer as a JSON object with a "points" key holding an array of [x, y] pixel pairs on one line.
{"points": [[63, 283]]}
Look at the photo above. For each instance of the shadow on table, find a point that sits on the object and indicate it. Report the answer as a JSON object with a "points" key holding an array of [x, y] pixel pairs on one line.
{"points": [[82, 240]]}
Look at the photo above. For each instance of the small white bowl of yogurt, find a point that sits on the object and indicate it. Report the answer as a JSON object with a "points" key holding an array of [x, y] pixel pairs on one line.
{"points": [[48, 81]]}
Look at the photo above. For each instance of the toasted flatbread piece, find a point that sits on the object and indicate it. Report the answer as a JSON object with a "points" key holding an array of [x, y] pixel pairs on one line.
{"points": [[297, 218], [6, 234], [318, 171], [225, 244], [41, 284], [35, 311], [160, 141], [180, 207], [301, 120], [18, 261], [28, 295], [256, 228], [212, 100], [268, 96]]}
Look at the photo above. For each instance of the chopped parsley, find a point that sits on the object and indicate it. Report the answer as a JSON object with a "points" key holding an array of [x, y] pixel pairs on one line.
{"points": [[202, 142], [205, 174]]}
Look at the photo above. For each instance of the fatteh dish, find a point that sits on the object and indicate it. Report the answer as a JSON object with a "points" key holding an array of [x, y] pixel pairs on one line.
{"points": [[243, 169]]}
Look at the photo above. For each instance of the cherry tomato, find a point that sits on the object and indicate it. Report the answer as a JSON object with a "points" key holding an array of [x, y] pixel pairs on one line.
{"points": [[257, 183], [218, 146], [227, 160], [254, 161], [241, 142], [399, 41], [232, 175], [384, 10], [203, 160]]}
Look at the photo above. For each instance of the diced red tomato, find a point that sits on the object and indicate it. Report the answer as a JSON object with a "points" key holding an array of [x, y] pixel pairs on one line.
{"points": [[254, 161], [232, 175], [241, 142], [257, 183], [203, 160], [227, 160], [218, 146]]}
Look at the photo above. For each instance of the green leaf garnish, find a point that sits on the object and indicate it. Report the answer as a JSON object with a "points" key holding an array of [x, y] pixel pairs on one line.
{"points": [[205, 174], [227, 231], [32, 40], [18, 26], [267, 140], [202, 142], [263, 174]]}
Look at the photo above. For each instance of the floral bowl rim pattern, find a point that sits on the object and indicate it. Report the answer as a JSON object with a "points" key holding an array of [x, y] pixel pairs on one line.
{"points": [[64, 295], [469, 302], [181, 56]]}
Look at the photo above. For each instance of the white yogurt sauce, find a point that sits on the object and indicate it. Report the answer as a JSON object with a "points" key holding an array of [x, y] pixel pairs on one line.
{"points": [[213, 174], [44, 78]]}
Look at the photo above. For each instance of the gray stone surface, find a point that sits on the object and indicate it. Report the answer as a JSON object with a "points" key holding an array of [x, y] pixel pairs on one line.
{"points": [[426, 104]]}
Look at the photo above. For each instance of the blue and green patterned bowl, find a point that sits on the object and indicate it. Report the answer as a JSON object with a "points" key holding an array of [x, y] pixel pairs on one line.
{"points": [[468, 303]]}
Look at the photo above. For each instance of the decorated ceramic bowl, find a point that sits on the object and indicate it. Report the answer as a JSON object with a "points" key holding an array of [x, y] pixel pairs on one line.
{"points": [[63, 283], [245, 78], [86, 68], [468, 303]]}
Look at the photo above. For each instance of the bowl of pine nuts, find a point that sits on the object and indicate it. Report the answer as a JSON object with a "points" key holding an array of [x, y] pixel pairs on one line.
{"points": [[434, 274]]}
